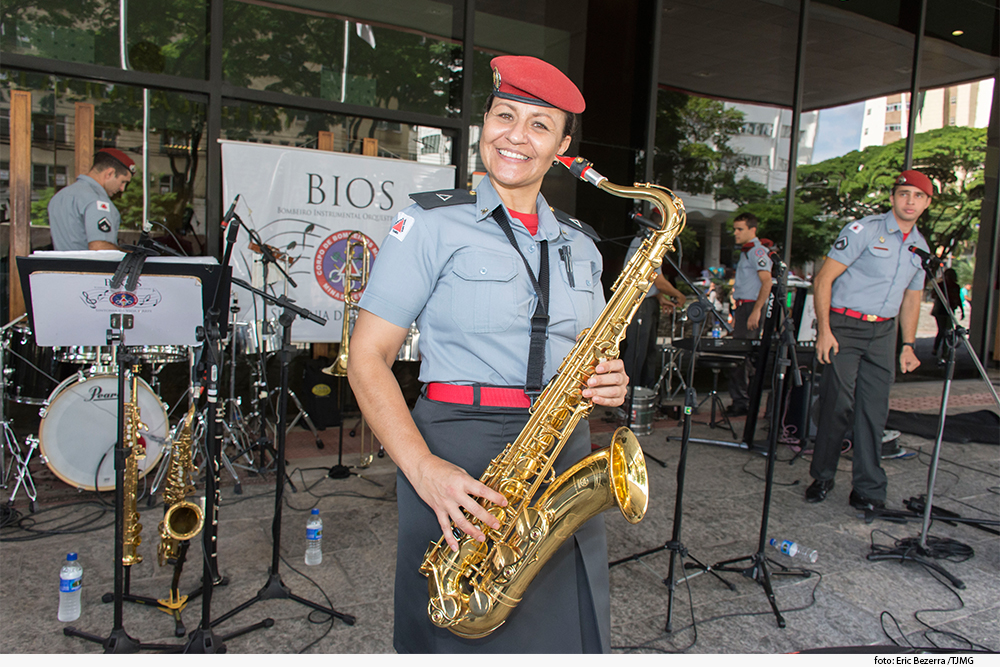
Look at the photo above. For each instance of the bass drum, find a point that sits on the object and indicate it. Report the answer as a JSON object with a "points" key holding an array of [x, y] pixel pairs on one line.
{"points": [[31, 370], [80, 427]]}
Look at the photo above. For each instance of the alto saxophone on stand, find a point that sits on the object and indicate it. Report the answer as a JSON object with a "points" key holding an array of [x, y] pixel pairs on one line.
{"points": [[474, 590], [182, 519], [136, 450]]}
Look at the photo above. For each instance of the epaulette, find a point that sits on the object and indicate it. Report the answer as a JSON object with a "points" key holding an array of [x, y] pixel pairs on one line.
{"points": [[579, 225], [429, 200]]}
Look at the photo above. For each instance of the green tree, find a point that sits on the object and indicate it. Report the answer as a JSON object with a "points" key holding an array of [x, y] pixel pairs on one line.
{"points": [[692, 152], [860, 183], [812, 232]]}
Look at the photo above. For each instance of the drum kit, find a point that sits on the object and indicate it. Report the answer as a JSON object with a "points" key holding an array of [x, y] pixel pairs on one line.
{"points": [[75, 390]]}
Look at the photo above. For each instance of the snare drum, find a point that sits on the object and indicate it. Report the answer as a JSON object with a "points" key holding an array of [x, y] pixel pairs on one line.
{"points": [[78, 354], [162, 354], [31, 371], [80, 427]]}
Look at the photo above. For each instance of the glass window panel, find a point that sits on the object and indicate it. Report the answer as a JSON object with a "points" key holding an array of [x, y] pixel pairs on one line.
{"points": [[348, 52], [285, 126], [177, 155], [164, 36]]}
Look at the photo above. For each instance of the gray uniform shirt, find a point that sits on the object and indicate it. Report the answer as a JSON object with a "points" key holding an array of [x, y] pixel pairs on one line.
{"points": [[746, 285], [452, 270], [81, 213], [880, 266]]}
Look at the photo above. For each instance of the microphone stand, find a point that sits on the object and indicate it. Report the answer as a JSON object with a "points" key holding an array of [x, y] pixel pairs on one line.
{"points": [[275, 588], [758, 569], [203, 639], [920, 553], [697, 313]]}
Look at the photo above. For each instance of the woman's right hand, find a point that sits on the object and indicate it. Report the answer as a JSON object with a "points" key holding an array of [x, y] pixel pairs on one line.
{"points": [[447, 489]]}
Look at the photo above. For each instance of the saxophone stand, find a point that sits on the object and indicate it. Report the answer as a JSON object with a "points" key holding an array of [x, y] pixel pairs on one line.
{"points": [[697, 313], [275, 588], [758, 568], [918, 552], [119, 641]]}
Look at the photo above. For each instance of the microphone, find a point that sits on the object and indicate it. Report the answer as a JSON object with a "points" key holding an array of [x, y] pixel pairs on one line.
{"points": [[933, 260], [230, 213], [644, 221]]}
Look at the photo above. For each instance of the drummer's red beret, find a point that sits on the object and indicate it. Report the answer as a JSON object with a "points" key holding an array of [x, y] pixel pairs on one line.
{"points": [[533, 81], [917, 180], [126, 161]]}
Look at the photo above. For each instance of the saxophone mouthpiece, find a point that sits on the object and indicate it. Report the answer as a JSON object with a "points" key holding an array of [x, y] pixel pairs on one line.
{"points": [[582, 169]]}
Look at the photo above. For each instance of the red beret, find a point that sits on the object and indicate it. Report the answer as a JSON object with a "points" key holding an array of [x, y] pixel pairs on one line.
{"points": [[126, 161], [533, 81], [917, 180]]}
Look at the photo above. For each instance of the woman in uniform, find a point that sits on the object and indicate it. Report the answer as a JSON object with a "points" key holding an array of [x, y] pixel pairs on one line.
{"points": [[475, 270]]}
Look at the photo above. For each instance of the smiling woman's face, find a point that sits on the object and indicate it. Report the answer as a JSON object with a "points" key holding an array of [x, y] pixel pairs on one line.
{"points": [[520, 141]]}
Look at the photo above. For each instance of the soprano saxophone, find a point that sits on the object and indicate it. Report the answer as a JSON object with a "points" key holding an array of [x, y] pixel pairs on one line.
{"points": [[136, 450], [182, 519], [474, 590]]}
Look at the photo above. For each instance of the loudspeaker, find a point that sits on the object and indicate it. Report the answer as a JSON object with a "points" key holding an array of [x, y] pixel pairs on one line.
{"points": [[799, 420], [320, 400]]}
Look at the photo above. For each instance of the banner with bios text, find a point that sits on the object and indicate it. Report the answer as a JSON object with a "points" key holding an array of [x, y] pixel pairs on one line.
{"points": [[309, 209]]}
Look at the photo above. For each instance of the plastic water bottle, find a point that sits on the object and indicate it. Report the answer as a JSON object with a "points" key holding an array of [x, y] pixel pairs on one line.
{"points": [[795, 550], [314, 538], [716, 330], [70, 583]]}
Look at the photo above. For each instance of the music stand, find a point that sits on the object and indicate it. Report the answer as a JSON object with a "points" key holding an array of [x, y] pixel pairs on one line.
{"points": [[162, 309]]}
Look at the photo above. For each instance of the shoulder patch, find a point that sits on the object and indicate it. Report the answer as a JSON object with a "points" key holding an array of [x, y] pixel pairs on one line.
{"points": [[103, 205], [841, 243], [401, 226], [577, 224], [429, 200], [856, 227], [104, 225]]}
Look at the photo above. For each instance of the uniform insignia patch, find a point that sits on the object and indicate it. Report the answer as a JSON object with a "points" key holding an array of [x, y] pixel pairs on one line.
{"points": [[401, 227], [841, 243], [443, 196], [856, 227], [104, 225], [103, 206], [761, 252], [762, 263], [881, 239]]}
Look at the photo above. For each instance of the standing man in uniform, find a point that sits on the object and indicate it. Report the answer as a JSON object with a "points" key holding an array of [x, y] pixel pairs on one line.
{"points": [[868, 280], [639, 352], [81, 215], [751, 288]]}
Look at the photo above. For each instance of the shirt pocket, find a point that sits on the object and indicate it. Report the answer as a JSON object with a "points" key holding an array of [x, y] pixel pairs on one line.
{"points": [[880, 251], [581, 290], [485, 292]]}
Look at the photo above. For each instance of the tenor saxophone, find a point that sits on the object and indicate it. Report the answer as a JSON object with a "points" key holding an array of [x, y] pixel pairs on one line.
{"points": [[182, 519], [136, 450], [473, 590]]}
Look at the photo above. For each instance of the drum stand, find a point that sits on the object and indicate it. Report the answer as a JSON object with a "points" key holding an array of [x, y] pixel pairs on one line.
{"points": [[758, 568], [18, 465], [275, 588]]}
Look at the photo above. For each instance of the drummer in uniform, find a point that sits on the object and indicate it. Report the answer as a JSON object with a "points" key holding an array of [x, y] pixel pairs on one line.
{"points": [[81, 215], [500, 285], [869, 280], [751, 288]]}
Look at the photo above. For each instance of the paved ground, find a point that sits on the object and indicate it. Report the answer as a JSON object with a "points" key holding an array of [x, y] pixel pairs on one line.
{"points": [[847, 600]]}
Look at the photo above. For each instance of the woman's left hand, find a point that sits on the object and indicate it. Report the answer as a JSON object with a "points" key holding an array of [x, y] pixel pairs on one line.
{"points": [[608, 385]]}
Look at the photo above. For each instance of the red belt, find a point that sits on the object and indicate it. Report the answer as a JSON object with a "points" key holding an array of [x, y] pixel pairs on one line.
{"points": [[465, 394], [740, 302], [859, 316]]}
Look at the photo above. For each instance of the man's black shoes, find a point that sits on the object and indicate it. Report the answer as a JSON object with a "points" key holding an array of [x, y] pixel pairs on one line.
{"points": [[817, 490], [859, 502], [737, 410]]}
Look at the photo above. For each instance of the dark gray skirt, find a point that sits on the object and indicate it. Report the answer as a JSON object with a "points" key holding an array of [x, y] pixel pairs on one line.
{"points": [[566, 609]]}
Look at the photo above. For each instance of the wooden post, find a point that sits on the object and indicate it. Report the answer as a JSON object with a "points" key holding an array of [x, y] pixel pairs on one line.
{"points": [[369, 146], [20, 193], [84, 138], [325, 143]]}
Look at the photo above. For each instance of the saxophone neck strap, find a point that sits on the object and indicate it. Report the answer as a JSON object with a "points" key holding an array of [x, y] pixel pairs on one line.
{"points": [[540, 319]]}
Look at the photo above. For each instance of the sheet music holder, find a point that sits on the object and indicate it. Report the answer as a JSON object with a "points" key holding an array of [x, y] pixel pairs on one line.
{"points": [[70, 301]]}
